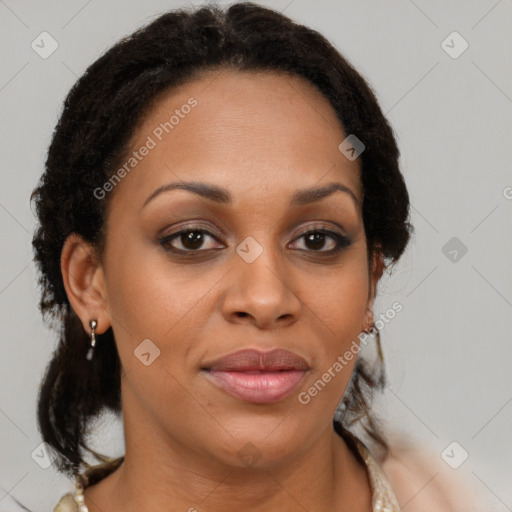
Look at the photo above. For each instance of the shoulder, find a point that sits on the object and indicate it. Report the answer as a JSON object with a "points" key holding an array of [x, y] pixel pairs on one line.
{"points": [[66, 504], [423, 481]]}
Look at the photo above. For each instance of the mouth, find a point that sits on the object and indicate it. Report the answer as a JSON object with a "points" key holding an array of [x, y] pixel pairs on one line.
{"points": [[258, 377]]}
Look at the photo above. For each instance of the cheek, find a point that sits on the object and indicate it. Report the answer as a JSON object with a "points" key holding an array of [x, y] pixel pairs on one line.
{"points": [[139, 296], [340, 299], [340, 312], [151, 298], [343, 314]]}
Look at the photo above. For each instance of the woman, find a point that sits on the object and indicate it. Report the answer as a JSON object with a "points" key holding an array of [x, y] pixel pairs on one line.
{"points": [[221, 197]]}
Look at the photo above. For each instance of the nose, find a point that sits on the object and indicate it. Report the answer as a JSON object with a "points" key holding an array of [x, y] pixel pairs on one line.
{"points": [[260, 293]]}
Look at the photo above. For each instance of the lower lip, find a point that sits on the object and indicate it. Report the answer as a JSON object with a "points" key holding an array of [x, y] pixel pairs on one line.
{"points": [[261, 388]]}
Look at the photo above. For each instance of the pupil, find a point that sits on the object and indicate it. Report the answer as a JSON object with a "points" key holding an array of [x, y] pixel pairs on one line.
{"points": [[316, 240], [192, 240]]}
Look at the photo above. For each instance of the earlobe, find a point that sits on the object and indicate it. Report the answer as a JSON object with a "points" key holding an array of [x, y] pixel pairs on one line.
{"points": [[84, 282]]}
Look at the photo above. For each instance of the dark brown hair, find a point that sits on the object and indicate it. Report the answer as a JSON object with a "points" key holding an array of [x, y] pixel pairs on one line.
{"points": [[99, 117]]}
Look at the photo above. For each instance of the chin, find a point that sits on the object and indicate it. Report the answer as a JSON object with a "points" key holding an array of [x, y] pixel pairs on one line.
{"points": [[261, 445]]}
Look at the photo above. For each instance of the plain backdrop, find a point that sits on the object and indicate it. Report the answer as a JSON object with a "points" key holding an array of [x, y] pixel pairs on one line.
{"points": [[449, 350]]}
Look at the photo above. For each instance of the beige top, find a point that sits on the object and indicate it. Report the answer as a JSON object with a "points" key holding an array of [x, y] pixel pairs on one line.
{"points": [[383, 497]]}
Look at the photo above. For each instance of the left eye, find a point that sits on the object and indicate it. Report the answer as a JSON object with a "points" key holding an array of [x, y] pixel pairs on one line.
{"points": [[317, 240]]}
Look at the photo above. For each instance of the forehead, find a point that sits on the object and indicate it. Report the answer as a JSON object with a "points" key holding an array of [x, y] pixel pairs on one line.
{"points": [[250, 132]]}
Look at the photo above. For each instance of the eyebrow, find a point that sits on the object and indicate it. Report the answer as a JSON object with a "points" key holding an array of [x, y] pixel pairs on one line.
{"points": [[222, 196]]}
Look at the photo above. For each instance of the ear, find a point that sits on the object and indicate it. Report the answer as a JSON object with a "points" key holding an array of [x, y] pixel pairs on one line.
{"points": [[84, 282], [377, 268]]}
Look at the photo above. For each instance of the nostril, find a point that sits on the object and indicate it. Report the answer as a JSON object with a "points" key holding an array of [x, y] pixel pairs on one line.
{"points": [[241, 313]]}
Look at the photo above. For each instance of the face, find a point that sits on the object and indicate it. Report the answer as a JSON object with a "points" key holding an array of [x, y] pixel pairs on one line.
{"points": [[215, 244]]}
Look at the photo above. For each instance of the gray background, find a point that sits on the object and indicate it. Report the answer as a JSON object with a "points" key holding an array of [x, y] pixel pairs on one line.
{"points": [[448, 352]]}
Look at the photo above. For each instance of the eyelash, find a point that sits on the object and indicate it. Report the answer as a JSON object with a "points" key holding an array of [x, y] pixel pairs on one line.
{"points": [[342, 241]]}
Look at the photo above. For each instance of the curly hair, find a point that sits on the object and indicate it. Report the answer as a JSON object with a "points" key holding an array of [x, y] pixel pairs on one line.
{"points": [[101, 114]]}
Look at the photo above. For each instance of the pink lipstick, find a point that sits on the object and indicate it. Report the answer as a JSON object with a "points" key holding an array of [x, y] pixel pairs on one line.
{"points": [[258, 377]]}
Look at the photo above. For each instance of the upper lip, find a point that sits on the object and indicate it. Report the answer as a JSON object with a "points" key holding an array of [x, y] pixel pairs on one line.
{"points": [[253, 360]]}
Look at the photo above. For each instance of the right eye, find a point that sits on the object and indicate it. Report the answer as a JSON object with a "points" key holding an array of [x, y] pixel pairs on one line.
{"points": [[190, 239]]}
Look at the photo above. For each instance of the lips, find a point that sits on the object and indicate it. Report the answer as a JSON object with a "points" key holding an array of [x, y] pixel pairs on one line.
{"points": [[258, 377], [254, 360]]}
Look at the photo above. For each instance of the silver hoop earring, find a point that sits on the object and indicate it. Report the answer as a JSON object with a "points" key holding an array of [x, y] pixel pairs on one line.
{"points": [[92, 324]]}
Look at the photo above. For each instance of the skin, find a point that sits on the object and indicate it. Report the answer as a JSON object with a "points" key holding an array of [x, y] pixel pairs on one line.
{"points": [[261, 136]]}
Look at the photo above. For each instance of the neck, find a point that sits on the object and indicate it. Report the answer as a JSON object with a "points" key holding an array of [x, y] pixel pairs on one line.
{"points": [[159, 474]]}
